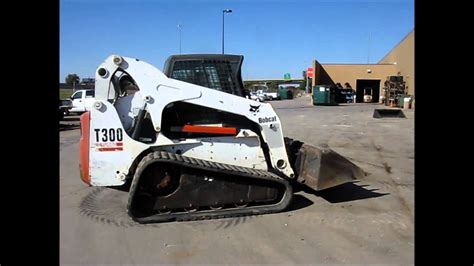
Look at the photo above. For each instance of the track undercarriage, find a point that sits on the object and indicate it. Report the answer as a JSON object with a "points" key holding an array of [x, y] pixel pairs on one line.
{"points": [[169, 187]]}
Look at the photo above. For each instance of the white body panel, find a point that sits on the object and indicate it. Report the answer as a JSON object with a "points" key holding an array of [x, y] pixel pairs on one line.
{"points": [[272, 95], [110, 155], [241, 151], [157, 90]]}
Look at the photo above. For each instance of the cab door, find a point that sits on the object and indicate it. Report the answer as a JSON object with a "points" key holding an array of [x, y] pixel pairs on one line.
{"points": [[77, 102]]}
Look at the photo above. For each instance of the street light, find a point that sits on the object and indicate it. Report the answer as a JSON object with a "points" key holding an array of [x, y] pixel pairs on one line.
{"points": [[223, 12]]}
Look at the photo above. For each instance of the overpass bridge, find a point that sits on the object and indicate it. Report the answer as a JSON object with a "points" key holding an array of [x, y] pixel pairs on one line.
{"points": [[274, 80], [273, 84]]}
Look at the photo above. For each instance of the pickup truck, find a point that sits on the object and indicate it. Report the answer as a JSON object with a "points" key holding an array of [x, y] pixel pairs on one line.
{"points": [[82, 101], [271, 95], [263, 89]]}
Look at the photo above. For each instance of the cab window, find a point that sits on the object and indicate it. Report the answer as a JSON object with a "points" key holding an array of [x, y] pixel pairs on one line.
{"points": [[78, 95], [90, 94]]}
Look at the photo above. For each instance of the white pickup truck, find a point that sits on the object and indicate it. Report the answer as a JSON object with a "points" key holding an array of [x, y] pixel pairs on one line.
{"points": [[82, 101], [265, 91], [272, 95]]}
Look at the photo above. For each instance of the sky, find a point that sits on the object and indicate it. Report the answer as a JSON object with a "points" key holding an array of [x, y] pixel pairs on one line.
{"points": [[274, 36]]}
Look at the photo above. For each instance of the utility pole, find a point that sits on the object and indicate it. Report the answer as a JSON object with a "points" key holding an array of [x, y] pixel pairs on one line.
{"points": [[179, 27], [307, 82], [307, 78]]}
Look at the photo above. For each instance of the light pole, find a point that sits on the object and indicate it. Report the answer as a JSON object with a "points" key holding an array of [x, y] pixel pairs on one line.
{"points": [[307, 82], [223, 12], [368, 51], [179, 27]]}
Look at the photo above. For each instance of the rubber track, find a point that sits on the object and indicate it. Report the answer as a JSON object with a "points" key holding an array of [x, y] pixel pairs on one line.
{"points": [[167, 157]]}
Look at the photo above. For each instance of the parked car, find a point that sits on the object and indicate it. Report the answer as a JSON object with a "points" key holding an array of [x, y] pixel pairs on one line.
{"points": [[64, 107]]}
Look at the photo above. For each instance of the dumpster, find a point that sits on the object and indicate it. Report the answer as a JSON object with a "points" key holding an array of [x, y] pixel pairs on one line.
{"points": [[324, 95], [285, 94]]}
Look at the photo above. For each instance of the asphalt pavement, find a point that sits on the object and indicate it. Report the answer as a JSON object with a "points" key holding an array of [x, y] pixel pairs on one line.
{"points": [[366, 222]]}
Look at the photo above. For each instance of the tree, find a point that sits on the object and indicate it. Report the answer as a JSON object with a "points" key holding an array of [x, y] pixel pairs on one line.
{"points": [[72, 79]]}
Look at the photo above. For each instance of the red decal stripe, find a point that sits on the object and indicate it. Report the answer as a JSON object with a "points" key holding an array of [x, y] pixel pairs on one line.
{"points": [[111, 149], [109, 144], [211, 130]]}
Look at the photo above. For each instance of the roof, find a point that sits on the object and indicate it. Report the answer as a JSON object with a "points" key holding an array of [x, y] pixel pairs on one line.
{"points": [[400, 42]]}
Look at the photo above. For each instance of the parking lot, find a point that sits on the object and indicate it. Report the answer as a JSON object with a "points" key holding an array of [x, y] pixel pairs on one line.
{"points": [[371, 221]]}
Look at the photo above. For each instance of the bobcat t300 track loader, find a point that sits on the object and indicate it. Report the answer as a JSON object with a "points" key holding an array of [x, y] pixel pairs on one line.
{"points": [[191, 144]]}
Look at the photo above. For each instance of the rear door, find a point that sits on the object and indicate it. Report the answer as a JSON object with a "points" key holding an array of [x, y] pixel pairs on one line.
{"points": [[89, 100]]}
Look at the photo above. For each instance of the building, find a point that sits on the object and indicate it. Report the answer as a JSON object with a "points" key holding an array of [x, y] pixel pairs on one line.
{"points": [[86, 83], [400, 61]]}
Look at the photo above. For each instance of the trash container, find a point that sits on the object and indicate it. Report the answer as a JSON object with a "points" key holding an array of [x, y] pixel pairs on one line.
{"points": [[285, 94], [407, 103], [323, 95]]}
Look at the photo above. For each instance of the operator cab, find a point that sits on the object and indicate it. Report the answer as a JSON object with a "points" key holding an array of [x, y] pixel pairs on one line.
{"points": [[215, 71]]}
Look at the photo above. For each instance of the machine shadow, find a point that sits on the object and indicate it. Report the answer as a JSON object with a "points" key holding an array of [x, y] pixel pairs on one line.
{"points": [[345, 192], [298, 202], [313, 106], [289, 108]]}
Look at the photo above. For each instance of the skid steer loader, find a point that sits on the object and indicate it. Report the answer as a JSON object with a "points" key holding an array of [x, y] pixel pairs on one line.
{"points": [[191, 146]]}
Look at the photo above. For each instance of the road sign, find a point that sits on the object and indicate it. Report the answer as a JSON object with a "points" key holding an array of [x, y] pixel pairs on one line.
{"points": [[287, 76], [310, 72]]}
